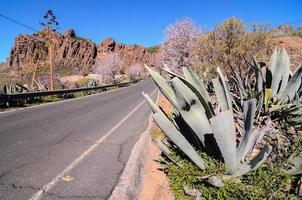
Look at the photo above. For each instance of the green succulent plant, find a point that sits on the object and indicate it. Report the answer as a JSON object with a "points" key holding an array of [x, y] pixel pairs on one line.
{"points": [[195, 125]]}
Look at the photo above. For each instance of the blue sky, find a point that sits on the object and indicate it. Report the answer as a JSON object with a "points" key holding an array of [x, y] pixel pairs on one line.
{"points": [[137, 21]]}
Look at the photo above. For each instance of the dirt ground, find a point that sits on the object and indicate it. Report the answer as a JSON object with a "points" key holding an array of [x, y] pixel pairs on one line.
{"points": [[156, 185]]}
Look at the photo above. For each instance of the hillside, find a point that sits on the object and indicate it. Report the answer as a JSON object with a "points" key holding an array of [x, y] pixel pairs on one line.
{"points": [[293, 45], [73, 52]]}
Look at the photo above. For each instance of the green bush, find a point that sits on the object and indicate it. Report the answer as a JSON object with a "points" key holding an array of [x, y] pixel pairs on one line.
{"points": [[153, 49]]}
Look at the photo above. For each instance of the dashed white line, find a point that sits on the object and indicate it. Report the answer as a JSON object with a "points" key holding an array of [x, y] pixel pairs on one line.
{"points": [[72, 165]]}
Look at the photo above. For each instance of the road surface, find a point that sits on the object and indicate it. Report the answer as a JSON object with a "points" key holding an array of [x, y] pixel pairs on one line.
{"points": [[74, 149]]}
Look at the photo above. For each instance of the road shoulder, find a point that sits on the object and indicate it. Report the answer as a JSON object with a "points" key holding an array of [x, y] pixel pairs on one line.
{"points": [[131, 179]]}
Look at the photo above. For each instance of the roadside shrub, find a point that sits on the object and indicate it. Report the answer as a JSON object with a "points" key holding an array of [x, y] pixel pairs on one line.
{"points": [[229, 46]]}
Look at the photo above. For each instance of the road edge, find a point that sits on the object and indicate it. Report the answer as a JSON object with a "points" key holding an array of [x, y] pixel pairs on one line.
{"points": [[67, 100], [131, 179]]}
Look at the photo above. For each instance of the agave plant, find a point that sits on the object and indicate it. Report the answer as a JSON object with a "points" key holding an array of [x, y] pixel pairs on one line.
{"points": [[194, 119], [279, 90], [15, 88]]}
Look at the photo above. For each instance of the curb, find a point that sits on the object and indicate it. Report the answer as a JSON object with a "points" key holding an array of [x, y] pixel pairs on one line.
{"points": [[131, 179]]}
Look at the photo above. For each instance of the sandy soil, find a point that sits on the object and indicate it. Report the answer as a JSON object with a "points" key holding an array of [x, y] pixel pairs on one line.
{"points": [[156, 185]]}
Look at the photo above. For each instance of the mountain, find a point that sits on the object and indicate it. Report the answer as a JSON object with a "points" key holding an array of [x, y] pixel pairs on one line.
{"points": [[71, 51]]}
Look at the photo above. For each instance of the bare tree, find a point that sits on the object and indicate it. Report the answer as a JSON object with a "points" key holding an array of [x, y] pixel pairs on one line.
{"points": [[107, 65], [51, 24], [175, 49]]}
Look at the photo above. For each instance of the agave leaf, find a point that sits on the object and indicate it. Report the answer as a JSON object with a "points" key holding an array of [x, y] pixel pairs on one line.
{"points": [[275, 70], [215, 181], [161, 145], [190, 192], [249, 137], [284, 61], [222, 92], [152, 105], [178, 139], [280, 68], [173, 134], [224, 132], [192, 78], [277, 107], [297, 165], [260, 103], [164, 87], [187, 131], [241, 85], [297, 110], [273, 60], [164, 149], [192, 81], [198, 196], [292, 86], [168, 70], [212, 179], [260, 134], [259, 76], [255, 163], [191, 109]]}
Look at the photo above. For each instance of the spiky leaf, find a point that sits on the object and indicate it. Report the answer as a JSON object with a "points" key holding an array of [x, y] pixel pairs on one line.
{"points": [[191, 109], [224, 132], [292, 86], [255, 163], [174, 135], [222, 92]]}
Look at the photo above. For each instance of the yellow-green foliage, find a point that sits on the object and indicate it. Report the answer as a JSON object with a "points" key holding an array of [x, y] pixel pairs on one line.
{"points": [[270, 181], [267, 182], [4, 80], [65, 71], [83, 82], [153, 49], [228, 45]]}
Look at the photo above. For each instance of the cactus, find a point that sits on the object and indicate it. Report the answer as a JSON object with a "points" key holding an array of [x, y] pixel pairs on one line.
{"points": [[192, 104]]}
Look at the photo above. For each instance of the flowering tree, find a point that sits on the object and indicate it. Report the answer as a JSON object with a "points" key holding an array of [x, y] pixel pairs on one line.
{"points": [[108, 65], [135, 71], [175, 49]]}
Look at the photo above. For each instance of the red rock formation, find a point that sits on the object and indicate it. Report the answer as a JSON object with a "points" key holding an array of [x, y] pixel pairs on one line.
{"points": [[71, 51]]}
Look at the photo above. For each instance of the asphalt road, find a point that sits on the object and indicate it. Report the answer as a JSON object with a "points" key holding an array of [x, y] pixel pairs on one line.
{"points": [[75, 149]]}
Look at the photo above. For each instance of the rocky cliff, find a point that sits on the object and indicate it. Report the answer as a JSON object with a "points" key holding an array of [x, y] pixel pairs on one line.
{"points": [[73, 52]]}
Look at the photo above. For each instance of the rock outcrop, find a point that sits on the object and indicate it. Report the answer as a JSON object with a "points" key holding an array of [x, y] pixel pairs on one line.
{"points": [[73, 52], [129, 54]]}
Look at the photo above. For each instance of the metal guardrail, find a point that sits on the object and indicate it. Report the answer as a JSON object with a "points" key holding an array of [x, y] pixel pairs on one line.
{"points": [[17, 96]]}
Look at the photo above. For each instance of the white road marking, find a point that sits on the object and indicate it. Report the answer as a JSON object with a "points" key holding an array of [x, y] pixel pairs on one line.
{"points": [[72, 165]]}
